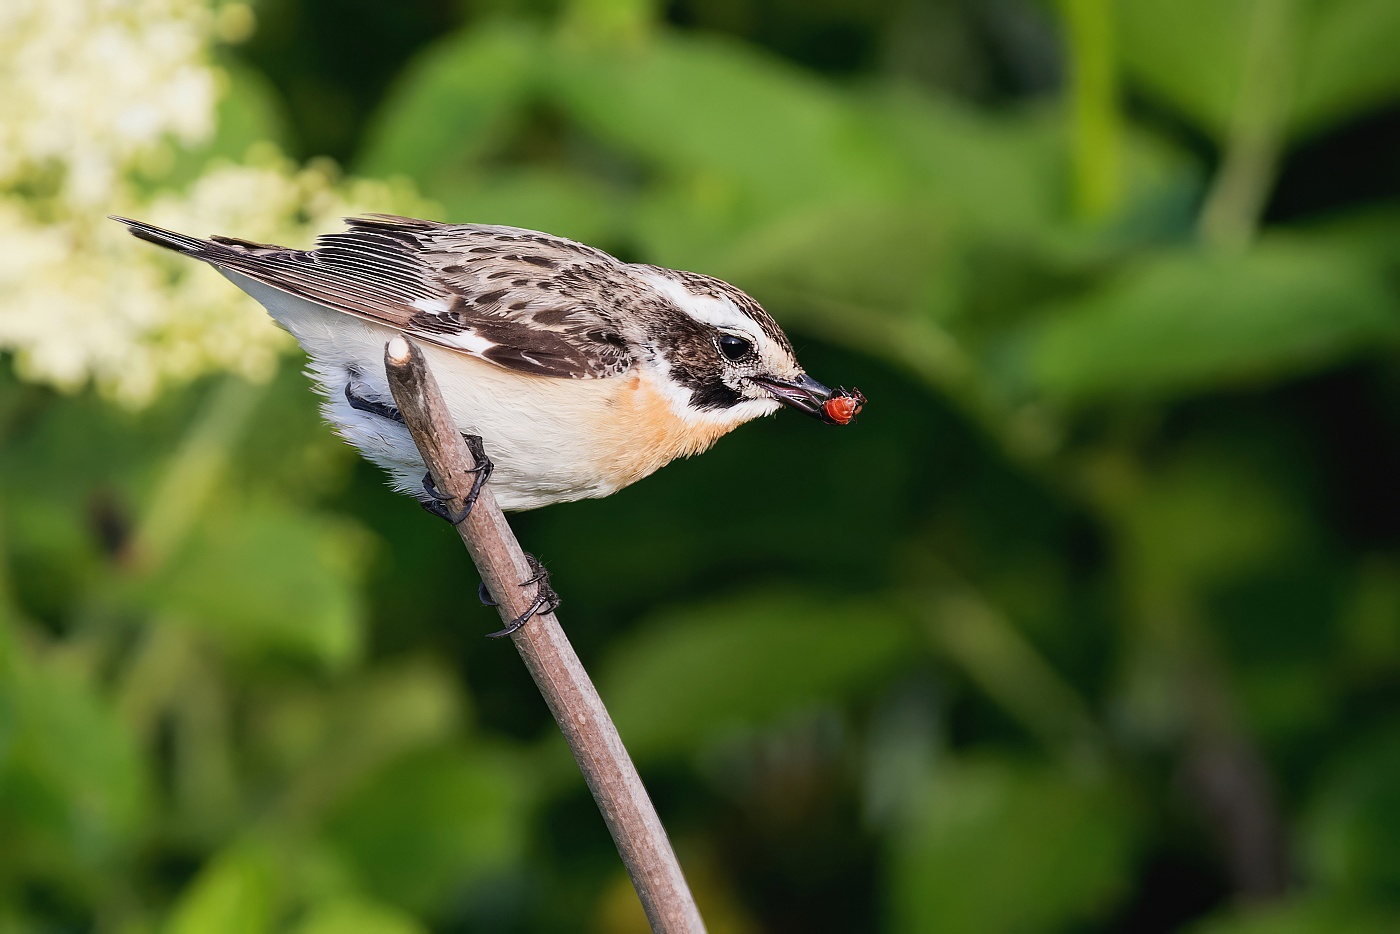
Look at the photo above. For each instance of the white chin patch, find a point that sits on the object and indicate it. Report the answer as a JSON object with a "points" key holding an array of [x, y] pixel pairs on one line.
{"points": [[755, 408], [736, 414]]}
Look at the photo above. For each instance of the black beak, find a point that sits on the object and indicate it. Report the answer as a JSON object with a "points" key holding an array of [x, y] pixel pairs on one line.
{"points": [[804, 393]]}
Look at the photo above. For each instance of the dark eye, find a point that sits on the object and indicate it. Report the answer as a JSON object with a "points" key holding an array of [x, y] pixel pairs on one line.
{"points": [[733, 347]]}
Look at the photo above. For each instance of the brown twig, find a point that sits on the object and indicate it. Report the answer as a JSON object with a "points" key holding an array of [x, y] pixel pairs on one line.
{"points": [[608, 770]]}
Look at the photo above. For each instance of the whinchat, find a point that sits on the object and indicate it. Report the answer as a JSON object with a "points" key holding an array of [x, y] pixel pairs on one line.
{"points": [[580, 374]]}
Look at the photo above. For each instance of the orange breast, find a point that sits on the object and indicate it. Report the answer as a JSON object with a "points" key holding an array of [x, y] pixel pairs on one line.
{"points": [[643, 432]]}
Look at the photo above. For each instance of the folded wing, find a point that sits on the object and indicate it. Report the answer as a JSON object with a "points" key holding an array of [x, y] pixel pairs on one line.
{"points": [[516, 298]]}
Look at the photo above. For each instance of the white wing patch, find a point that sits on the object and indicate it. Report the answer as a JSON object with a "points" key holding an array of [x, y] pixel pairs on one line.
{"points": [[716, 312], [466, 339]]}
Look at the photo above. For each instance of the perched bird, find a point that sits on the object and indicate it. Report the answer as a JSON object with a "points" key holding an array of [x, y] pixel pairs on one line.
{"points": [[578, 373]]}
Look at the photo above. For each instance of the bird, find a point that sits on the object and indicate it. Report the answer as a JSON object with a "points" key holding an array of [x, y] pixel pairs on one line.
{"points": [[573, 373]]}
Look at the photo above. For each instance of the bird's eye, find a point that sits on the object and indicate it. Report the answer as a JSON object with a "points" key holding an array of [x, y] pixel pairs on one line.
{"points": [[733, 347]]}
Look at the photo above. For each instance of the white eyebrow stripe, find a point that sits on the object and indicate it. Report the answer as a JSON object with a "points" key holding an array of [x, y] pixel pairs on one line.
{"points": [[717, 312]]}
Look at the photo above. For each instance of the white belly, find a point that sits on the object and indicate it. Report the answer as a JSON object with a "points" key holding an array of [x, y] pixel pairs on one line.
{"points": [[541, 433]]}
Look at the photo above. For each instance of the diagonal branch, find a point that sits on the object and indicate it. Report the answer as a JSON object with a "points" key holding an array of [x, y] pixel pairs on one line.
{"points": [[608, 770]]}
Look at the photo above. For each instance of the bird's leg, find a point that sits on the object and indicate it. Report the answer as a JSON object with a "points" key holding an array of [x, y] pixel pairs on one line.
{"points": [[437, 502], [546, 600], [354, 394]]}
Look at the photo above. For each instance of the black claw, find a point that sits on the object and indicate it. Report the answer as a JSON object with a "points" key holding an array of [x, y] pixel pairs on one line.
{"points": [[484, 595], [437, 502], [546, 600], [354, 394], [437, 508]]}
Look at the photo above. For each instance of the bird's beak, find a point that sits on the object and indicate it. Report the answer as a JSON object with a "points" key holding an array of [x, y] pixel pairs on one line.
{"points": [[804, 393]]}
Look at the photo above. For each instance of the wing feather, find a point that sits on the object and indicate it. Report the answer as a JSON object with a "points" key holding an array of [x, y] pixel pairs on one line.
{"points": [[523, 300]]}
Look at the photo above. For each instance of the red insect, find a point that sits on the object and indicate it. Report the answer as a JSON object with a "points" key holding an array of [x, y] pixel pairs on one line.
{"points": [[843, 406]]}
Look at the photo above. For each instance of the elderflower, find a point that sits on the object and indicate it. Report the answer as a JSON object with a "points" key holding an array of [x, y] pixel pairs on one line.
{"points": [[88, 86], [83, 301], [91, 91]]}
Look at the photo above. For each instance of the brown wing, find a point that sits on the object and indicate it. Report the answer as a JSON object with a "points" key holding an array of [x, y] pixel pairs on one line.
{"points": [[547, 304], [520, 299]]}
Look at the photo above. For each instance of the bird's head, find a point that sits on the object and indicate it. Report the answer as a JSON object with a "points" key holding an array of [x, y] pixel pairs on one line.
{"points": [[726, 357]]}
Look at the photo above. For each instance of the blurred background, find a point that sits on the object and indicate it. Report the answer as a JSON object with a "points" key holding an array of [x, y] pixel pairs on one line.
{"points": [[1091, 624]]}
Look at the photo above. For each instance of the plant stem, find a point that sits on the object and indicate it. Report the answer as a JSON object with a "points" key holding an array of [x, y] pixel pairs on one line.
{"points": [[1240, 192], [606, 766], [1097, 123]]}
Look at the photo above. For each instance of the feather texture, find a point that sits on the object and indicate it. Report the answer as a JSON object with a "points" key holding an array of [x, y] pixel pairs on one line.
{"points": [[520, 299]]}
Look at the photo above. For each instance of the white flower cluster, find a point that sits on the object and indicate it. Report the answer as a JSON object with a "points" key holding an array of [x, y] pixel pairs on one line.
{"points": [[90, 92], [82, 300], [87, 86]]}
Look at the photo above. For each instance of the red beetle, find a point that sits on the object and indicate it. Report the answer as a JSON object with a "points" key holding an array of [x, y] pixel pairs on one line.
{"points": [[843, 406]]}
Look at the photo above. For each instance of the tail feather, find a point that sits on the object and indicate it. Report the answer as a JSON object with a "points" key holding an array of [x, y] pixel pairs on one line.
{"points": [[191, 246]]}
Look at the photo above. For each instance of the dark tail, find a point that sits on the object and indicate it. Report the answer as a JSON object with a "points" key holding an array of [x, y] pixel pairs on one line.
{"points": [[190, 246]]}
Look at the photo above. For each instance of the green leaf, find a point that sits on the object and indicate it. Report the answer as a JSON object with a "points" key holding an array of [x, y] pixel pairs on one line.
{"points": [[357, 915], [994, 847], [248, 114], [1188, 321], [698, 673], [1301, 916], [564, 203], [233, 894], [917, 157], [72, 786], [1371, 638], [1173, 524], [1193, 54], [974, 168], [269, 579], [329, 742], [1188, 52], [782, 136], [1347, 63], [456, 101], [878, 259], [431, 824], [1352, 831]]}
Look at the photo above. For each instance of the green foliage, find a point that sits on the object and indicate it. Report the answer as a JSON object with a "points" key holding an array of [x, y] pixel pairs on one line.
{"points": [[1092, 623], [355, 915], [1184, 322], [1353, 820], [233, 894], [995, 847], [453, 104], [295, 594], [71, 778], [1306, 917], [430, 824], [1195, 54], [707, 671]]}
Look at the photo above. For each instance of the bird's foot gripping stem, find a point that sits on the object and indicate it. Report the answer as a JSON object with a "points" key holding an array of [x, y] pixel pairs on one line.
{"points": [[356, 395], [437, 501], [546, 600]]}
